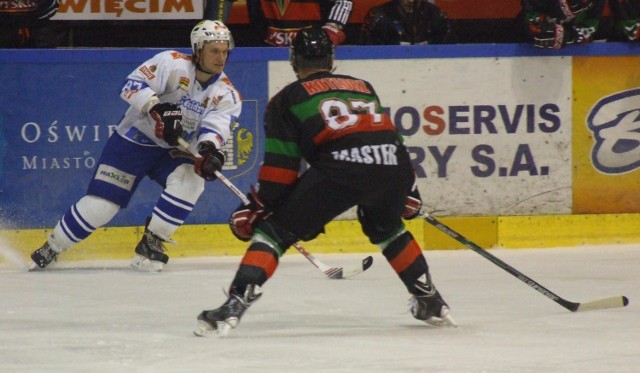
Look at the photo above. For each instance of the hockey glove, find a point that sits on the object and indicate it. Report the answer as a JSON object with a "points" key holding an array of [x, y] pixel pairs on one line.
{"points": [[413, 204], [581, 35], [545, 32], [167, 117], [245, 217], [630, 29], [335, 34], [210, 161]]}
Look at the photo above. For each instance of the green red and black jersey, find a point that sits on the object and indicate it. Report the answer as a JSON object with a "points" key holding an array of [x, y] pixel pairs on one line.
{"points": [[332, 122]]}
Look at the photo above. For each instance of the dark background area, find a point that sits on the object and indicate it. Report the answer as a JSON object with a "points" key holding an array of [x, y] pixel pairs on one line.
{"points": [[175, 34]]}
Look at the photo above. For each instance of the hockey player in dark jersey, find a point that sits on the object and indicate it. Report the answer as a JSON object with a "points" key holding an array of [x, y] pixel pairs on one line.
{"points": [[27, 24], [336, 124], [277, 21], [406, 22], [556, 23], [626, 20]]}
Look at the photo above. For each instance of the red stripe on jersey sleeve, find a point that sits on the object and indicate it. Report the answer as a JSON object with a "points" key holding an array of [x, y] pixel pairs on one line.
{"points": [[277, 175]]}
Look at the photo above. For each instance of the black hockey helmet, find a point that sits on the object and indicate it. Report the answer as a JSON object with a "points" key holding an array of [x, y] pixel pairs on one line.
{"points": [[311, 48], [312, 42]]}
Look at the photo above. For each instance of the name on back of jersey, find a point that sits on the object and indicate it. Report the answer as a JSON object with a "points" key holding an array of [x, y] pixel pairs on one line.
{"points": [[383, 154]]}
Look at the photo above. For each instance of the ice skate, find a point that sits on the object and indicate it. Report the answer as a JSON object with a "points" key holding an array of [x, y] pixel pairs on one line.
{"points": [[427, 304], [43, 257], [150, 254], [227, 316]]}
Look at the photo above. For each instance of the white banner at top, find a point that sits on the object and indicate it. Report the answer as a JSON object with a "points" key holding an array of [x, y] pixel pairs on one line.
{"points": [[77, 10]]}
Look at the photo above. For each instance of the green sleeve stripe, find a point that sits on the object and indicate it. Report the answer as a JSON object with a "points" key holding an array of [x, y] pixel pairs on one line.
{"points": [[287, 148]]}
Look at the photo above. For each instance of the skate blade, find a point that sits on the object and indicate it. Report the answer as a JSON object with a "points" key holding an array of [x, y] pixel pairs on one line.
{"points": [[143, 264], [33, 267], [223, 328], [204, 329], [445, 321]]}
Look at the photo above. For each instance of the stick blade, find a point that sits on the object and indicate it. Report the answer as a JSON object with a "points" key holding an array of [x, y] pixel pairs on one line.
{"points": [[347, 272], [602, 304], [366, 263]]}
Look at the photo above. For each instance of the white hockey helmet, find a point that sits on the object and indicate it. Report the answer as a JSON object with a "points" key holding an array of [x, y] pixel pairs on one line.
{"points": [[207, 31]]}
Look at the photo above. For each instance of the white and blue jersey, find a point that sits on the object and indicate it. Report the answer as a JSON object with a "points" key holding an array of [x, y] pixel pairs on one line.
{"points": [[134, 152], [208, 112]]}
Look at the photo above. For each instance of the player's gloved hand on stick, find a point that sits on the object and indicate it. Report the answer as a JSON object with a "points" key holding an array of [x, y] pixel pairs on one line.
{"points": [[167, 117], [413, 204], [211, 160], [335, 34], [245, 217]]}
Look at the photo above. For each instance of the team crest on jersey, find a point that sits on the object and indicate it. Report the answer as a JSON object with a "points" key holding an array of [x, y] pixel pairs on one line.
{"points": [[282, 6]]}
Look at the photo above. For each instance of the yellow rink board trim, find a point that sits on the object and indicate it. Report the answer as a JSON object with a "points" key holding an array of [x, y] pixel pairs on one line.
{"points": [[481, 230], [568, 230], [346, 236]]}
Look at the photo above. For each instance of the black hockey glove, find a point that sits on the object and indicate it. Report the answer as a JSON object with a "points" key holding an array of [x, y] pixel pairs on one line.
{"points": [[245, 217], [413, 204], [629, 28], [167, 117], [210, 160], [546, 33]]}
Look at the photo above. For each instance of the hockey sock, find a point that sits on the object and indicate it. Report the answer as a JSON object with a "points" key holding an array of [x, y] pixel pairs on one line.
{"points": [[405, 256], [82, 219], [169, 214], [257, 266]]}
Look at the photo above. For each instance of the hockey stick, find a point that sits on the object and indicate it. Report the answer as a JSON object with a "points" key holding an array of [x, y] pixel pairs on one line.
{"points": [[599, 304], [334, 273]]}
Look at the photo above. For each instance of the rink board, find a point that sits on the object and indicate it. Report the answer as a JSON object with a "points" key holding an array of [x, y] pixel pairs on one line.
{"points": [[345, 236]]}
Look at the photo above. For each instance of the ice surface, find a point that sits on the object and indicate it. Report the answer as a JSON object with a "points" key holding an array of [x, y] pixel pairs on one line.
{"points": [[100, 316]]}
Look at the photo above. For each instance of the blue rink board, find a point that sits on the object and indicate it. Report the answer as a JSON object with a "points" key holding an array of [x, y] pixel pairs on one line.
{"points": [[56, 107]]}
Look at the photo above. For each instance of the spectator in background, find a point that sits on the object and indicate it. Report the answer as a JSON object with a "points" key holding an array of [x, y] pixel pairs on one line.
{"points": [[27, 24], [556, 23], [406, 22], [626, 20], [218, 10], [277, 22]]}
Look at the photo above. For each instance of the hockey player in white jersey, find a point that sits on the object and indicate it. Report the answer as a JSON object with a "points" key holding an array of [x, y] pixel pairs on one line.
{"points": [[171, 96]]}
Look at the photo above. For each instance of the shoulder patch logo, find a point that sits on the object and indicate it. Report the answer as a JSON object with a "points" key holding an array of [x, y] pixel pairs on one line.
{"points": [[148, 71]]}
